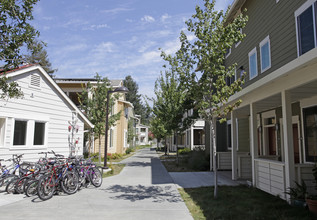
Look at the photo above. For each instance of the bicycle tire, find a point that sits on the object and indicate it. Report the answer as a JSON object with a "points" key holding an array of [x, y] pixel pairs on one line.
{"points": [[46, 187], [69, 182], [31, 189], [95, 176], [19, 186], [10, 188], [5, 180]]}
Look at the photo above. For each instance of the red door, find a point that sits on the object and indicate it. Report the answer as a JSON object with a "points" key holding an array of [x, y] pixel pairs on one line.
{"points": [[295, 142]]}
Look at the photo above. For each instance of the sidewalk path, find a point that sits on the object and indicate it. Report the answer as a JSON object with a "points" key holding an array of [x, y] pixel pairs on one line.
{"points": [[143, 190]]}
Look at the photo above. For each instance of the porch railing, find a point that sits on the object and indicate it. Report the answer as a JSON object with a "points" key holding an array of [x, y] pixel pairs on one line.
{"points": [[270, 176]]}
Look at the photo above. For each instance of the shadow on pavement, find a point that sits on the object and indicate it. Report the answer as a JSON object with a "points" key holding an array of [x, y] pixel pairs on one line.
{"points": [[159, 173], [138, 164], [139, 192]]}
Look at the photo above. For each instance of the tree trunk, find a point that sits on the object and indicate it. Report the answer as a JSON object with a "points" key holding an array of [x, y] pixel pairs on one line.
{"points": [[165, 145], [99, 158], [214, 155], [177, 159]]}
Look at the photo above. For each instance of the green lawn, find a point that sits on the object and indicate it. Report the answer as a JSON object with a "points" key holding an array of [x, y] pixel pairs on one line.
{"points": [[239, 202], [115, 169]]}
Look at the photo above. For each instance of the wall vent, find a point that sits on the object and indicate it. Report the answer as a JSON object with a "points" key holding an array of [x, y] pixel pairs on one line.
{"points": [[35, 80]]}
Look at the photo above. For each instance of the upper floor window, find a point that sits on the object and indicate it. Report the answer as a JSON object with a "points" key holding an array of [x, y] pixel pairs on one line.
{"points": [[265, 53], [306, 26], [253, 66], [143, 129], [228, 52]]}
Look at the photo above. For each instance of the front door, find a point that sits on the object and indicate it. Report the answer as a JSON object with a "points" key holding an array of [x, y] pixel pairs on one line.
{"points": [[295, 142], [272, 140]]}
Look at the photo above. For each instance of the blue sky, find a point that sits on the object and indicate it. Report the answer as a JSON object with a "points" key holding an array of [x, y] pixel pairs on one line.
{"points": [[111, 37]]}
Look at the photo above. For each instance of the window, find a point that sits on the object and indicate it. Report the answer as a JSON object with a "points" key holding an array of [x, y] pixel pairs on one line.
{"points": [[228, 52], [310, 133], [39, 133], [2, 130], [306, 27], [265, 53], [253, 64], [111, 138], [143, 129], [19, 137]]}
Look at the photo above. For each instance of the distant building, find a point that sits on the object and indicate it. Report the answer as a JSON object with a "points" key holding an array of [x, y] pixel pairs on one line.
{"points": [[118, 134]]}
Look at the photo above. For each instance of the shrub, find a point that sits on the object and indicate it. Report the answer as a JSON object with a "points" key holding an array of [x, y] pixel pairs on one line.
{"points": [[198, 160], [184, 151], [129, 150]]}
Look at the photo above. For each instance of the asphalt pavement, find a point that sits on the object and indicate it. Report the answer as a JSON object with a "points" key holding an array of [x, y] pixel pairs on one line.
{"points": [[143, 190]]}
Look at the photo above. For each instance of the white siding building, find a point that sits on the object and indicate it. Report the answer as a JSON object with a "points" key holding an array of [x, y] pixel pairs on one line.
{"points": [[40, 120]]}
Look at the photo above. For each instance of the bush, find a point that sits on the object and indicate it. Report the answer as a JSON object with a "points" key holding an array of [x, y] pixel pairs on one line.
{"points": [[184, 151], [114, 156], [129, 150], [198, 160]]}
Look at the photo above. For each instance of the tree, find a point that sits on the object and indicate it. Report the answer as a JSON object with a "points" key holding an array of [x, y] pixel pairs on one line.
{"points": [[206, 54], [38, 54], [135, 98], [93, 101], [15, 33]]}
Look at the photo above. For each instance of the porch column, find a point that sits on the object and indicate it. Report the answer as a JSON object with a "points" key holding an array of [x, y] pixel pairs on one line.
{"points": [[288, 140], [192, 137], [253, 140], [234, 159]]}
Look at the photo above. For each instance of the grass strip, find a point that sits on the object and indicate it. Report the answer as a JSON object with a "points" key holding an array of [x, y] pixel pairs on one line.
{"points": [[239, 202]]}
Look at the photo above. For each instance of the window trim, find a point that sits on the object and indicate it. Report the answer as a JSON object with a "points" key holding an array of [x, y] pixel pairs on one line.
{"points": [[3, 135], [298, 12], [228, 54], [262, 43], [29, 139], [253, 51]]}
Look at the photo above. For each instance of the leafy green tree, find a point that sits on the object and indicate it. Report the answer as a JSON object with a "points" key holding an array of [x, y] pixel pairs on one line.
{"points": [[134, 97], [38, 54], [15, 33], [214, 35], [93, 101]]}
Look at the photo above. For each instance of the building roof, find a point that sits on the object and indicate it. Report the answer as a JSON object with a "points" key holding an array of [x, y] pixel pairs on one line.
{"points": [[113, 82], [31, 67], [235, 10]]}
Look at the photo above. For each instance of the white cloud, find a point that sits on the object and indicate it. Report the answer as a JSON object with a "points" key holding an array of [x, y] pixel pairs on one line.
{"points": [[148, 18], [96, 27], [165, 17], [116, 10], [146, 46], [103, 48], [129, 20]]}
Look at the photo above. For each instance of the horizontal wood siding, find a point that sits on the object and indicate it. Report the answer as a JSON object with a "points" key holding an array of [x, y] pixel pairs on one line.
{"points": [[38, 104], [304, 172], [224, 161], [244, 167], [267, 18], [243, 135], [270, 177]]}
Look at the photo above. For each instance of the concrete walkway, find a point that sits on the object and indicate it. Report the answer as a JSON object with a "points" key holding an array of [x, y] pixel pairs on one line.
{"points": [[143, 190]]}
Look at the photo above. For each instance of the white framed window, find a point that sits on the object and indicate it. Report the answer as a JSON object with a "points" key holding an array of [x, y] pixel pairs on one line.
{"points": [[305, 19], [39, 133], [20, 129], [111, 138], [228, 52], [265, 54], [2, 130], [29, 133], [253, 66]]}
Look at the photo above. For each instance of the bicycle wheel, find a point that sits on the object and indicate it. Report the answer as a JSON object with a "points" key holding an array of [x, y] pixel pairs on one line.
{"points": [[70, 182], [31, 189], [46, 187], [95, 176], [5, 180], [10, 188], [19, 186]]}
